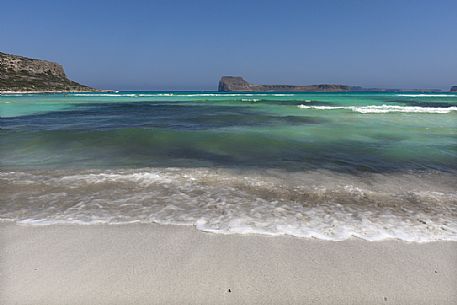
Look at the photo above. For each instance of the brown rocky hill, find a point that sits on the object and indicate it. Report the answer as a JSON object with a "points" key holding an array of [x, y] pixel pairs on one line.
{"points": [[18, 73], [237, 83]]}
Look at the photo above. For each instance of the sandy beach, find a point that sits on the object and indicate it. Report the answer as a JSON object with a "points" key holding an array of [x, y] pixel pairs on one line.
{"points": [[249, 152], [154, 264]]}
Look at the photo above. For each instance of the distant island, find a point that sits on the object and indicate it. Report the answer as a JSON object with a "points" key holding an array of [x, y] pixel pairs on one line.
{"points": [[454, 89], [22, 74], [238, 83]]}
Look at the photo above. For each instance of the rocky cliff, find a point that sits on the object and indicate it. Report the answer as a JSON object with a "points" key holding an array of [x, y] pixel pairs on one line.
{"points": [[454, 88], [18, 73], [237, 83]]}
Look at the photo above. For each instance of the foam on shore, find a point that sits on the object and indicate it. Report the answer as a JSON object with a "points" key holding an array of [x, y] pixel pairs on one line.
{"points": [[318, 204]]}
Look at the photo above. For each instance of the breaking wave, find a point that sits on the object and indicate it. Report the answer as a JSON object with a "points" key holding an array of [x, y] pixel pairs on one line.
{"points": [[384, 109], [319, 204], [427, 95]]}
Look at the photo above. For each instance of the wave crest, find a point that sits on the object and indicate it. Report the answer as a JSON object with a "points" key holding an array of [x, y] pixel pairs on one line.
{"points": [[383, 109], [427, 95]]}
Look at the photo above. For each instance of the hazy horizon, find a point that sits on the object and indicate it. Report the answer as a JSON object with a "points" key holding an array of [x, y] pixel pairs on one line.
{"points": [[177, 45]]}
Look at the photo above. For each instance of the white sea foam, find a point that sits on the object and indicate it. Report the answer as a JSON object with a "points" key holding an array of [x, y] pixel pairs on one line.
{"points": [[103, 95], [178, 94], [11, 94], [120, 94], [250, 100], [319, 204], [235, 94], [384, 109], [427, 95]]}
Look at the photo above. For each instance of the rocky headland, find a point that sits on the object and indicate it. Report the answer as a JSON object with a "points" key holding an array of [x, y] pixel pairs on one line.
{"points": [[454, 89], [237, 83], [22, 74]]}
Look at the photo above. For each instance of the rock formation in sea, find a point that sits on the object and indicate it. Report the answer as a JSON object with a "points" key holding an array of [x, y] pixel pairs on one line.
{"points": [[454, 88], [237, 83], [18, 73]]}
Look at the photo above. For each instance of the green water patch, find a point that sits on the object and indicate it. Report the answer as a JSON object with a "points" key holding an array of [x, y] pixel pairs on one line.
{"points": [[239, 148], [426, 104], [258, 102], [13, 108], [387, 137]]}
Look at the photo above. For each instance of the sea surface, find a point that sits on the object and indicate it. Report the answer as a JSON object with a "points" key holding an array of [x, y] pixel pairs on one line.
{"points": [[327, 165]]}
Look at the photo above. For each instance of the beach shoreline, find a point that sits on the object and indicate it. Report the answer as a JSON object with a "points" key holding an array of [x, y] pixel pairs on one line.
{"points": [[164, 264], [52, 92]]}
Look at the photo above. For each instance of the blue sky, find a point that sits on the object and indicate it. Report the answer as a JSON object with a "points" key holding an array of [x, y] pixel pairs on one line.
{"points": [[186, 45]]}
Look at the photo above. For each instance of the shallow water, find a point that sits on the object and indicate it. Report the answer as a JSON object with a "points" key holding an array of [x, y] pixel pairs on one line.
{"points": [[326, 165]]}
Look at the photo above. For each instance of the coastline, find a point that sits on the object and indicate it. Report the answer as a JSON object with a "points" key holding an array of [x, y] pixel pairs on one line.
{"points": [[163, 264], [7, 92], [50, 92]]}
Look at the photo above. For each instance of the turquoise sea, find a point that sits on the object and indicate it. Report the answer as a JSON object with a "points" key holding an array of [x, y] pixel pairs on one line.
{"points": [[372, 165]]}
